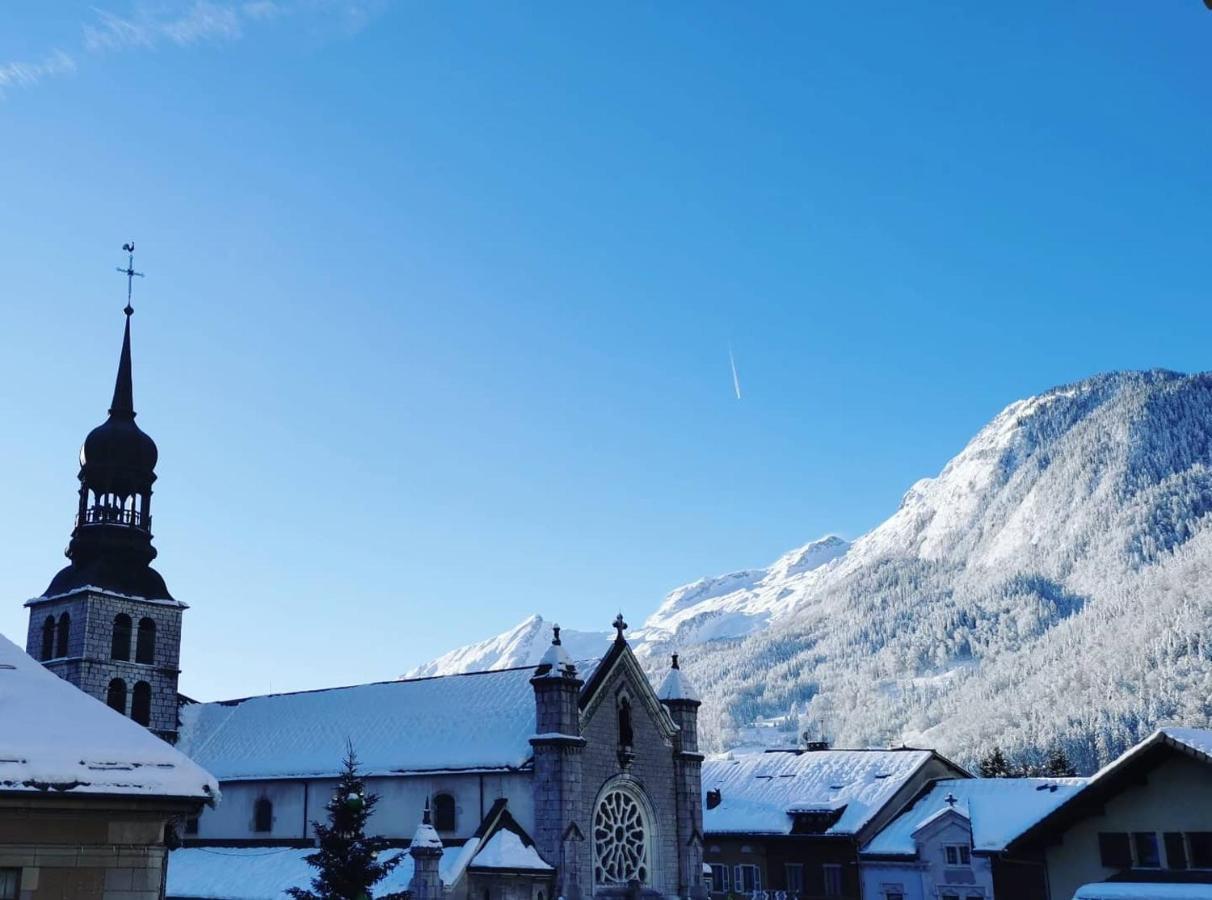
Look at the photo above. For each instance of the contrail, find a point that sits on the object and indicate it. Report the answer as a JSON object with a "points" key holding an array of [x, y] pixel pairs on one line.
{"points": [[736, 382]]}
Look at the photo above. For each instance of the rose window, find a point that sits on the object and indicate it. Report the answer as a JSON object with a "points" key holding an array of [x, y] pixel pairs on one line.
{"points": [[620, 840]]}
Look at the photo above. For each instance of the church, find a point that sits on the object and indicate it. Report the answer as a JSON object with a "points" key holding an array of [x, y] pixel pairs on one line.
{"points": [[575, 778]]}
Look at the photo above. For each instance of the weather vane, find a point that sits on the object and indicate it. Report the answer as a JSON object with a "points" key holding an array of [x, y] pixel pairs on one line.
{"points": [[130, 273]]}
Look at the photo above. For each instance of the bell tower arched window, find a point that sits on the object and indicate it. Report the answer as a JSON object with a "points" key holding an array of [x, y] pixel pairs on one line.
{"points": [[119, 642], [62, 633], [140, 703], [115, 697], [145, 644], [48, 638], [444, 812], [263, 815]]}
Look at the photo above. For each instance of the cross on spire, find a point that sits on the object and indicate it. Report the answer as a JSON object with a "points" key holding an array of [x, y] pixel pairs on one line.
{"points": [[620, 626], [130, 274]]}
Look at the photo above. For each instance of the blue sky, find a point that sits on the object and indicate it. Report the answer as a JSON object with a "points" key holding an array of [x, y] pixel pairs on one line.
{"points": [[439, 296]]}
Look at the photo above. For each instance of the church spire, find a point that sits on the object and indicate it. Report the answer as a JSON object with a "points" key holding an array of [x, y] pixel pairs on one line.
{"points": [[123, 404]]}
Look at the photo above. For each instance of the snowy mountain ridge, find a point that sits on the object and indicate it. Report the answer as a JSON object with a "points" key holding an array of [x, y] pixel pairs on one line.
{"points": [[1048, 586]]}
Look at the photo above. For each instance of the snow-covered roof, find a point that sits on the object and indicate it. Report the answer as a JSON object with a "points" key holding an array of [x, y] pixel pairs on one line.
{"points": [[757, 791], [266, 873], [677, 686], [477, 721], [1130, 891], [506, 850], [999, 809], [55, 736]]}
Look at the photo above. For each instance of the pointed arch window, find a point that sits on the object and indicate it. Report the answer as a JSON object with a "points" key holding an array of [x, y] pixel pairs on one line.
{"points": [[119, 642], [263, 815], [62, 633], [626, 734], [140, 703], [145, 644], [48, 638], [115, 697], [444, 812]]}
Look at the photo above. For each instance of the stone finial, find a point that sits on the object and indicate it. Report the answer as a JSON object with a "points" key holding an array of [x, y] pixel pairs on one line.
{"points": [[555, 635], [951, 800], [674, 664]]}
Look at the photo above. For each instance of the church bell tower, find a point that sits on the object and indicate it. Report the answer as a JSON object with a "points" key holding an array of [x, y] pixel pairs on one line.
{"points": [[107, 622]]}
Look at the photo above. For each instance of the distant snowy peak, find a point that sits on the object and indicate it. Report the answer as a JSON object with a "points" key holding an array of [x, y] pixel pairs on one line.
{"points": [[523, 645], [739, 603]]}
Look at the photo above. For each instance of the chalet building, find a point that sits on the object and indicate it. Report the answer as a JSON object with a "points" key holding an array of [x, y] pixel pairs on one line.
{"points": [[87, 797], [794, 821], [1140, 827], [949, 843]]}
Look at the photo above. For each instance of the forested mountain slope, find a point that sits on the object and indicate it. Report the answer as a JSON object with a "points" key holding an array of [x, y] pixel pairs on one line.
{"points": [[1050, 585]]}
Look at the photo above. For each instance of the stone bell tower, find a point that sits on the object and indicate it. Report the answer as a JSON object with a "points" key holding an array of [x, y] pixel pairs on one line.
{"points": [[107, 622]]}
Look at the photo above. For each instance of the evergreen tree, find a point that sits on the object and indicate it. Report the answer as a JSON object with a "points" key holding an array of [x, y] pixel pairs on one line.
{"points": [[348, 861], [1058, 765], [995, 765]]}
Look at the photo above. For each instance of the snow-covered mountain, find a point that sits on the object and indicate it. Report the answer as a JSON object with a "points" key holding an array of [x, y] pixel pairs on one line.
{"points": [[1051, 584]]}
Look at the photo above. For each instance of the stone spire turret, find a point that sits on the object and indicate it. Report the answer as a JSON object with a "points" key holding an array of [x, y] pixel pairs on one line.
{"points": [[426, 853]]}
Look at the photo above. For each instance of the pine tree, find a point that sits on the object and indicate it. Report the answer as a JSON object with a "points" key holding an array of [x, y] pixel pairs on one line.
{"points": [[995, 765], [1058, 765], [348, 861]]}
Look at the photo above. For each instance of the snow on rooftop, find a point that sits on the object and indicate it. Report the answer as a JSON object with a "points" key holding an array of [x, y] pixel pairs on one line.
{"points": [[56, 736], [266, 873], [999, 809], [1197, 739], [758, 790], [1129, 891], [482, 720], [677, 686], [505, 850]]}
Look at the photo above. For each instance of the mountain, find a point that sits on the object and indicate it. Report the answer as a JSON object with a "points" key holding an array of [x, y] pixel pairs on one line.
{"points": [[1049, 587]]}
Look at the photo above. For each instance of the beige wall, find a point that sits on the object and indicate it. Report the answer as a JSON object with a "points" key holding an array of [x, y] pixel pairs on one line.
{"points": [[71, 849], [1176, 797]]}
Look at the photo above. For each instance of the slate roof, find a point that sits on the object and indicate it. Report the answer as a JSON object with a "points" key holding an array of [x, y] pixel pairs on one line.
{"points": [[54, 736], [997, 808], [758, 791], [481, 721]]}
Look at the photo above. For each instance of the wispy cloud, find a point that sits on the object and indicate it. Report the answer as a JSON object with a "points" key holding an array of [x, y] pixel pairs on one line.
{"points": [[17, 74], [146, 26]]}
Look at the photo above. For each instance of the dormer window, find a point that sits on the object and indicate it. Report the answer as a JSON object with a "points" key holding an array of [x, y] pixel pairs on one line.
{"points": [[957, 854]]}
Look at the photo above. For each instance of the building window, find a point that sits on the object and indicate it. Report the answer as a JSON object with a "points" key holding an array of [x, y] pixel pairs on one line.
{"points": [[62, 632], [140, 703], [10, 884], [894, 894], [1114, 850], [958, 854], [620, 839], [263, 815], [191, 825], [1176, 850], [444, 812], [833, 879], [1200, 845], [115, 696], [949, 897], [626, 736], [795, 878], [1148, 855], [145, 644], [119, 642], [747, 879], [48, 638], [719, 879]]}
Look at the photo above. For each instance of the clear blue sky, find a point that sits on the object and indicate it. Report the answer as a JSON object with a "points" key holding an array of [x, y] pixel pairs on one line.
{"points": [[439, 296]]}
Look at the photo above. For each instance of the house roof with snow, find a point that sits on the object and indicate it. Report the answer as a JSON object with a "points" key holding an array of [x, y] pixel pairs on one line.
{"points": [[1143, 891], [998, 809], [57, 738], [480, 721], [1114, 777], [764, 793]]}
